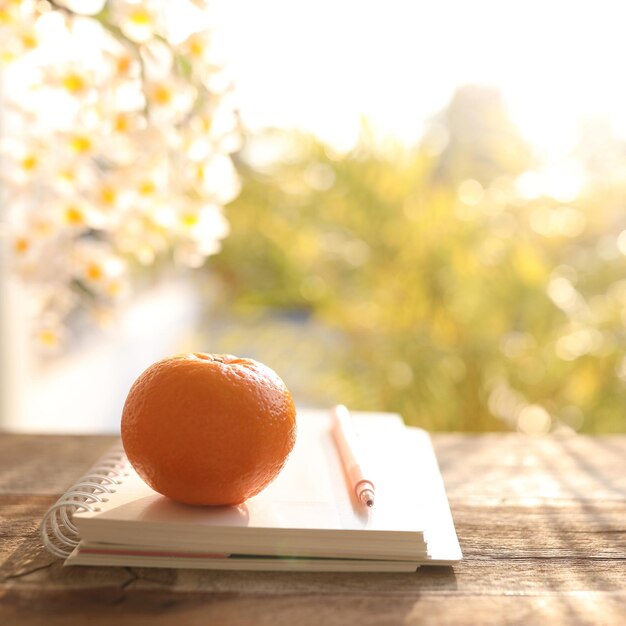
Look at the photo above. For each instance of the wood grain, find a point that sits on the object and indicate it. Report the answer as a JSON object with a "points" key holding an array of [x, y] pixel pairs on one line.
{"points": [[542, 523]]}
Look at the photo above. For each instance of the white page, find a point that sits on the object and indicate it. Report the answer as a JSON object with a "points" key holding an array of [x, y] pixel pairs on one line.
{"points": [[310, 493], [243, 563], [309, 509]]}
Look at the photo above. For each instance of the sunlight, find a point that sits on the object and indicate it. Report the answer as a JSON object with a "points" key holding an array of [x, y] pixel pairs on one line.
{"points": [[450, 268], [322, 66]]}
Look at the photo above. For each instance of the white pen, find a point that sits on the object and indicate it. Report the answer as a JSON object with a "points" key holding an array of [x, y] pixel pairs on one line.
{"points": [[345, 440]]}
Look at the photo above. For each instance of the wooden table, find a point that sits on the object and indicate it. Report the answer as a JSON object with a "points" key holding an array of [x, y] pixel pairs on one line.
{"points": [[542, 523]]}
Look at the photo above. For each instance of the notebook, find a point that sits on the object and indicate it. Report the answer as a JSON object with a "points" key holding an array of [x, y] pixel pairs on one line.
{"points": [[307, 519]]}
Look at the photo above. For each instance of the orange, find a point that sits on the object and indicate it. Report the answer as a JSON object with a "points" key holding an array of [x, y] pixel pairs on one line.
{"points": [[208, 429]]}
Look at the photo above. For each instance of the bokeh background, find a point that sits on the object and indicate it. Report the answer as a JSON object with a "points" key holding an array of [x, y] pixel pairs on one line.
{"points": [[430, 220]]}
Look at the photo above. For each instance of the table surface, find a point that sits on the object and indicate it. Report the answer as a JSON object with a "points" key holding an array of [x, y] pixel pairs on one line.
{"points": [[542, 524]]}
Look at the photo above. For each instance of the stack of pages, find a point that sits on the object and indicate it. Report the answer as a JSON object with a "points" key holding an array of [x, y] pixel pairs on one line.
{"points": [[307, 519]]}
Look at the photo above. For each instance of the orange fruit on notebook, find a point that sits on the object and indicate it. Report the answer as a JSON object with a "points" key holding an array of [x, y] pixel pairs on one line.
{"points": [[208, 429]]}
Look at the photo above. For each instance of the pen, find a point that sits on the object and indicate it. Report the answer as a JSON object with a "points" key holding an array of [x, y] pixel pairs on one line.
{"points": [[345, 440]]}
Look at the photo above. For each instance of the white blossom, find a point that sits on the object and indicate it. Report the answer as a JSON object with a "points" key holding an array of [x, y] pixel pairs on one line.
{"points": [[118, 125]]}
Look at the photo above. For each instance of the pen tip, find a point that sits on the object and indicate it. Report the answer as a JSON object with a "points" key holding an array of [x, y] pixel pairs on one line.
{"points": [[367, 497]]}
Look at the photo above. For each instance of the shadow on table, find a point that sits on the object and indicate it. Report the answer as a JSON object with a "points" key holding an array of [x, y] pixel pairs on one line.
{"points": [[60, 595], [436, 577], [590, 509]]}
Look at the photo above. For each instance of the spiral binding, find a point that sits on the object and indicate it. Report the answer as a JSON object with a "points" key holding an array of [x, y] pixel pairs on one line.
{"points": [[58, 532]]}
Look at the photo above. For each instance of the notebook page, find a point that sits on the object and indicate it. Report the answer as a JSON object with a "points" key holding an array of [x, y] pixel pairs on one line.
{"points": [[242, 563], [442, 542], [440, 534], [310, 493]]}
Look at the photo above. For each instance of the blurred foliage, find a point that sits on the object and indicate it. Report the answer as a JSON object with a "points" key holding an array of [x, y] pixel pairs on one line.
{"points": [[455, 289]]}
